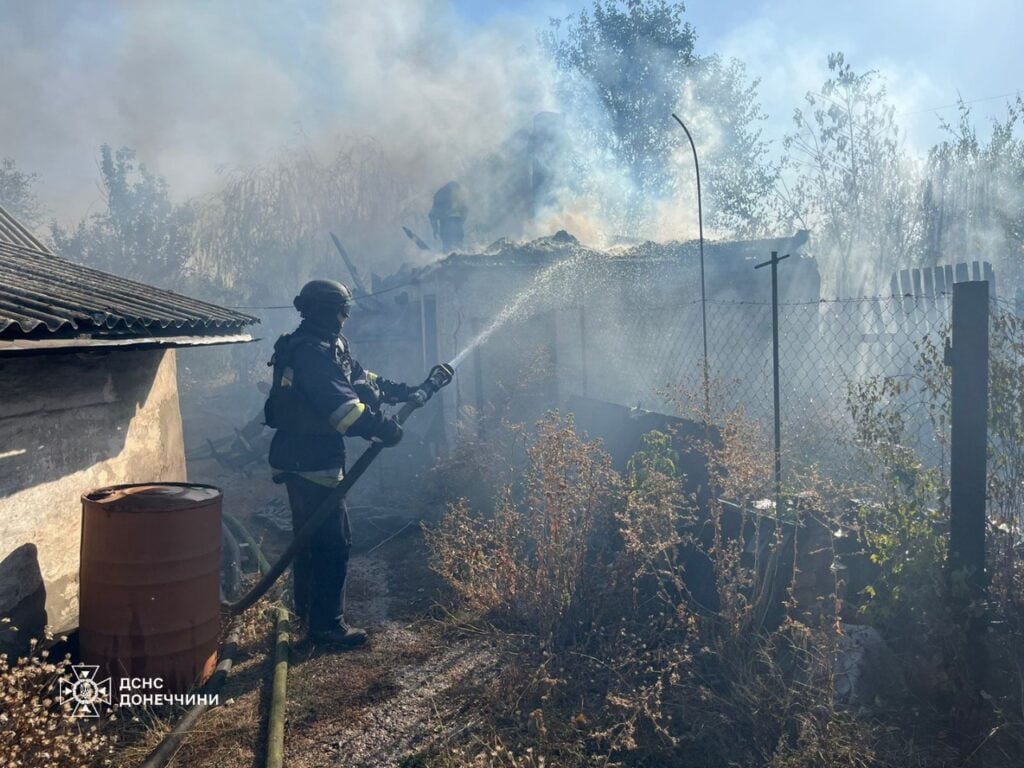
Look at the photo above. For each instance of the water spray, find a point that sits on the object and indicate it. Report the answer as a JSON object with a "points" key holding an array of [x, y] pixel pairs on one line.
{"points": [[514, 308]]}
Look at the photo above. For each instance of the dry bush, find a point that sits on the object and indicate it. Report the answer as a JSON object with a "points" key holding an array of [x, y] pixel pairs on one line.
{"points": [[36, 729], [650, 522], [477, 468], [266, 228], [525, 562], [488, 453], [579, 579]]}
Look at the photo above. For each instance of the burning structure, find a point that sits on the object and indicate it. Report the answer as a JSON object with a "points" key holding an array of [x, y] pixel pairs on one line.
{"points": [[606, 324], [89, 398]]}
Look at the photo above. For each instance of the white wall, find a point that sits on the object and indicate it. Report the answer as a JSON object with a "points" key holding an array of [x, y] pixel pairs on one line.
{"points": [[70, 423]]}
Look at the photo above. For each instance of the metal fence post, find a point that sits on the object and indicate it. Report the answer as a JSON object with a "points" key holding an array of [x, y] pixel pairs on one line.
{"points": [[968, 357], [774, 264]]}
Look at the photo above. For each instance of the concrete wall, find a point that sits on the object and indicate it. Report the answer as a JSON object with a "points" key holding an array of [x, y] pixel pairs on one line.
{"points": [[70, 423]]}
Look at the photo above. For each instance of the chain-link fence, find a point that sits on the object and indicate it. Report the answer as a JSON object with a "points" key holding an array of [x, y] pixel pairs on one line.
{"points": [[829, 351], [1006, 413], [838, 359]]}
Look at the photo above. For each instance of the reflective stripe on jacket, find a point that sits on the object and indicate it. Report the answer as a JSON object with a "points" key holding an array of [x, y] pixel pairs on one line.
{"points": [[321, 407]]}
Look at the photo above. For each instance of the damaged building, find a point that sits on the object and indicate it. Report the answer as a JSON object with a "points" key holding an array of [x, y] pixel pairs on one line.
{"points": [[613, 325], [88, 398]]}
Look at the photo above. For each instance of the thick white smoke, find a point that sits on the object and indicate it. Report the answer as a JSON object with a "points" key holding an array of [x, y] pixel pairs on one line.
{"points": [[202, 88], [198, 87]]}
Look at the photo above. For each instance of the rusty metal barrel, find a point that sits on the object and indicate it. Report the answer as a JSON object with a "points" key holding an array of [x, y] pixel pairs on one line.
{"points": [[149, 582]]}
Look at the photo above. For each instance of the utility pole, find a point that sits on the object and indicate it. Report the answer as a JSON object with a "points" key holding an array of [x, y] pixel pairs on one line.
{"points": [[773, 262]]}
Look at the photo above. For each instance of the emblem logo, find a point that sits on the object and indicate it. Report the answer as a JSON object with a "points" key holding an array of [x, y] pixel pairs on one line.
{"points": [[85, 691]]}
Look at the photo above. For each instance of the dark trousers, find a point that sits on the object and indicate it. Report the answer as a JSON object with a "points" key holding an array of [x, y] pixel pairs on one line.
{"points": [[320, 567]]}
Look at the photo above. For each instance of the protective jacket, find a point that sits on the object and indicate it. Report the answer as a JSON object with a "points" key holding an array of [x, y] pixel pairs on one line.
{"points": [[319, 396]]}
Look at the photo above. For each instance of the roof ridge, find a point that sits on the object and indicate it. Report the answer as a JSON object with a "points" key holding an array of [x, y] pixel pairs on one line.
{"points": [[40, 290], [16, 233]]}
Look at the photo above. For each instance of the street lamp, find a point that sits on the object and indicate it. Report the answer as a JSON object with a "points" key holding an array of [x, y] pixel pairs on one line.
{"points": [[703, 293]]}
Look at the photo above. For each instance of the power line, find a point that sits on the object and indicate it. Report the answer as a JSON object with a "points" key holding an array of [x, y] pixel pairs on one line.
{"points": [[951, 106], [357, 298], [819, 95]]}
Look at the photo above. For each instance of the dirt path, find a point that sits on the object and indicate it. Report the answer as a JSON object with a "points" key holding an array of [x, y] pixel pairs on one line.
{"points": [[376, 707]]}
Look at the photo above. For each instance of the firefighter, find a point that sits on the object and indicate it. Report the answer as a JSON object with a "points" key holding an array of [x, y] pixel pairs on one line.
{"points": [[319, 396]]}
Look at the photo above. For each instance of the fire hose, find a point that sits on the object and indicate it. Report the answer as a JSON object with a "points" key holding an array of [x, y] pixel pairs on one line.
{"points": [[440, 376], [166, 749]]}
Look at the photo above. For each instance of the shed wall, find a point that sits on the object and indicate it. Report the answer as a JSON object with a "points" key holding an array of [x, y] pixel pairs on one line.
{"points": [[70, 423]]}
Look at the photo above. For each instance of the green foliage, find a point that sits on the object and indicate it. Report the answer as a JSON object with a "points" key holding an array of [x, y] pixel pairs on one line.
{"points": [[921, 607], [624, 69], [972, 198], [850, 181], [655, 455], [18, 195], [632, 60], [902, 524], [140, 234]]}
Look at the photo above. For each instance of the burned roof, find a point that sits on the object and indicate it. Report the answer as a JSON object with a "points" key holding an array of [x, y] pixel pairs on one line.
{"points": [[506, 252], [509, 253], [46, 297], [729, 263]]}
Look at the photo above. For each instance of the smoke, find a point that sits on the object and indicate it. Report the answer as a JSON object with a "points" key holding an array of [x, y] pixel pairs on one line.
{"points": [[204, 91], [186, 84], [198, 87], [208, 92]]}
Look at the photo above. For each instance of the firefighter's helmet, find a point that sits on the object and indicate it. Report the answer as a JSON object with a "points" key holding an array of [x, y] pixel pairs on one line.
{"points": [[324, 293]]}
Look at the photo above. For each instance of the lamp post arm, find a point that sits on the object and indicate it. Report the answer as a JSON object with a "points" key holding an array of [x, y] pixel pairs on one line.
{"points": [[703, 290]]}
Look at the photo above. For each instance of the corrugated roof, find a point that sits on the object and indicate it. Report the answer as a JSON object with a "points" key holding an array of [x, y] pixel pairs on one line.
{"points": [[14, 233], [40, 291]]}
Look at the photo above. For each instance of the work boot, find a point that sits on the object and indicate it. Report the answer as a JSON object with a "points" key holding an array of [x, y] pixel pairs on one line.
{"points": [[340, 635]]}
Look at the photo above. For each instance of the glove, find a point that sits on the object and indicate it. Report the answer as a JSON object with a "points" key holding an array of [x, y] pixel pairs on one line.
{"points": [[397, 393], [368, 395], [387, 431]]}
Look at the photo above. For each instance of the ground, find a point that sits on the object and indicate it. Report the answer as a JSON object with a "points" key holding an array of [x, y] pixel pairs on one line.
{"points": [[377, 706]]}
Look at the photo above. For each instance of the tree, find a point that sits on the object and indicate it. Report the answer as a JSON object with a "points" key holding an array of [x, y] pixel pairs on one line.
{"points": [[850, 182], [264, 232], [973, 204], [17, 193], [623, 69], [141, 234]]}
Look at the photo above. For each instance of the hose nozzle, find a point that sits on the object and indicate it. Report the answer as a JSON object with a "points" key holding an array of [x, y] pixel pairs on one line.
{"points": [[441, 375]]}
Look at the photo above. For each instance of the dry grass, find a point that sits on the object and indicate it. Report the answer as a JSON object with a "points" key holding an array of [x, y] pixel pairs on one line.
{"points": [[577, 577], [37, 730]]}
